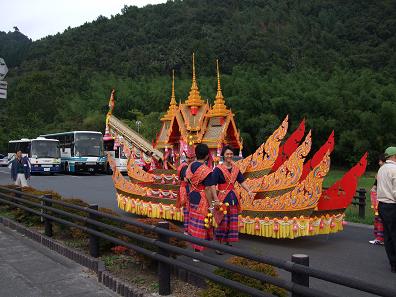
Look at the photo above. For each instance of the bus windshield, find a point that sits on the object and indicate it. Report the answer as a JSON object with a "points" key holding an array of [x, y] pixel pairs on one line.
{"points": [[88, 145], [44, 149], [23, 146]]}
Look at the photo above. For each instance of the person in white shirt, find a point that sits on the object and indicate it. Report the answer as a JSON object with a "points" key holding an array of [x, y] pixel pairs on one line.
{"points": [[386, 195]]}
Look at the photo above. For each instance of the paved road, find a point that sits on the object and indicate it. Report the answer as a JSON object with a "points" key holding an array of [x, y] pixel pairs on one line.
{"points": [[29, 269], [92, 189], [347, 252]]}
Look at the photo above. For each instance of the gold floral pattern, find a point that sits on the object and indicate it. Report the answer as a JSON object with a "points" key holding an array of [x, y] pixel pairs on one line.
{"points": [[266, 154]]}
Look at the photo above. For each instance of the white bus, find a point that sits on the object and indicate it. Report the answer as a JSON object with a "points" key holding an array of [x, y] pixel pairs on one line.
{"points": [[81, 151], [117, 152], [43, 153]]}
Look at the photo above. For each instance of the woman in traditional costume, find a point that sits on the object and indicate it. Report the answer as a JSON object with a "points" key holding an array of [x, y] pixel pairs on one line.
{"points": [[225, 175], [201, 195], [182, 199]]}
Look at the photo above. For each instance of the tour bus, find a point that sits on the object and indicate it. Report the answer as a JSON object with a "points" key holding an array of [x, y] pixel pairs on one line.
{"points": [[81, 151], [117, 152], [43, 153]]}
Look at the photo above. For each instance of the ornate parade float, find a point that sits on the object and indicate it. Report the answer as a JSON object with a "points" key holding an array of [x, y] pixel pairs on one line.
{"points": [[289, 199]]}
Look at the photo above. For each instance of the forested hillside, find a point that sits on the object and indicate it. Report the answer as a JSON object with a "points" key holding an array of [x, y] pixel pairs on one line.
{"points": [[331, 62]]}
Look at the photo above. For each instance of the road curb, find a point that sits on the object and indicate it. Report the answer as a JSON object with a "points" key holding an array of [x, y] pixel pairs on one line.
{"points": [[105, 277], [359, 225]]}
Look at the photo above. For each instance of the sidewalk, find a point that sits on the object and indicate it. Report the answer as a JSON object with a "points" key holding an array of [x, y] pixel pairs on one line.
{"points": [[29, 269]]}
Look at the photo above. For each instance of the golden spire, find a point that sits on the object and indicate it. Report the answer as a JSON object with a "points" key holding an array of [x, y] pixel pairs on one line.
{"points": [[173, 97], [194, 98], [219, 107], [173, 104]]}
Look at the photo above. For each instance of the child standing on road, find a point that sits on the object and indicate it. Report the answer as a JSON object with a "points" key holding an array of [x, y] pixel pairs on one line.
{"points": [[378, 226]]}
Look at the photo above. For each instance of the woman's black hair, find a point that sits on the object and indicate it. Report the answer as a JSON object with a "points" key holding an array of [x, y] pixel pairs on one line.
{"points": [[226, 148], [201, 151]]}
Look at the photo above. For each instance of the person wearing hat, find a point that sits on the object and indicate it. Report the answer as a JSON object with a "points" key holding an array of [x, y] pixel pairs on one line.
{"points": [[386, 195], [182, 198]]}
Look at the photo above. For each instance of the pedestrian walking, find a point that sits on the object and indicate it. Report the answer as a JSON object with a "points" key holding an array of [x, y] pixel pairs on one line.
{"points": [[20, 170]]}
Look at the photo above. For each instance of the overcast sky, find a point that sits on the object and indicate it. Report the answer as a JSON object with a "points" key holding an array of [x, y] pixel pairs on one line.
{"points": [[39, 18]]}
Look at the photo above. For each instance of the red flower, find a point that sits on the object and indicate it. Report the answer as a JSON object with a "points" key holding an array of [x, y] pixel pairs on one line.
{"points": [[119, 249]]}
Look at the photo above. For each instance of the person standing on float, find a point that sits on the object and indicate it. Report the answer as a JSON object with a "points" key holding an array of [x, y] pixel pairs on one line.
{"points": [[182, 199], [201, 196], [225, 175]]}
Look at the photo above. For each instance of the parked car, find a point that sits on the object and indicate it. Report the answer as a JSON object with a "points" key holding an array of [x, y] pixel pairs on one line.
{"points": [[3, 160]]}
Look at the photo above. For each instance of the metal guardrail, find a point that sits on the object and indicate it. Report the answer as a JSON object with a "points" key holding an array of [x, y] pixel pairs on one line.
{"points": [[298, 266], [360, 201]]}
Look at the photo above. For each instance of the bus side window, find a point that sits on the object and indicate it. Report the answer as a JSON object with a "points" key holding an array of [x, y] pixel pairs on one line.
{"points": [[61, 143]]}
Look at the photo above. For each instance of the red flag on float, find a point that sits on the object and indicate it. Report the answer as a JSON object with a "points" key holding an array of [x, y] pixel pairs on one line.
{"points": [[341, 193], [317, 158], [289, 146]]}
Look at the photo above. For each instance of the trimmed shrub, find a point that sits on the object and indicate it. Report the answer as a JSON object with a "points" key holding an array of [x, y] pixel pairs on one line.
{"points": [[26, 217], [71, 232], [218, 290], [144, 260], [104, 245]]}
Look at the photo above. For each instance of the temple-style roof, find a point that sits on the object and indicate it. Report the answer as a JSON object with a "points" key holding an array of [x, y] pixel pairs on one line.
{"points": [[195, 121], [192, 121]]}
